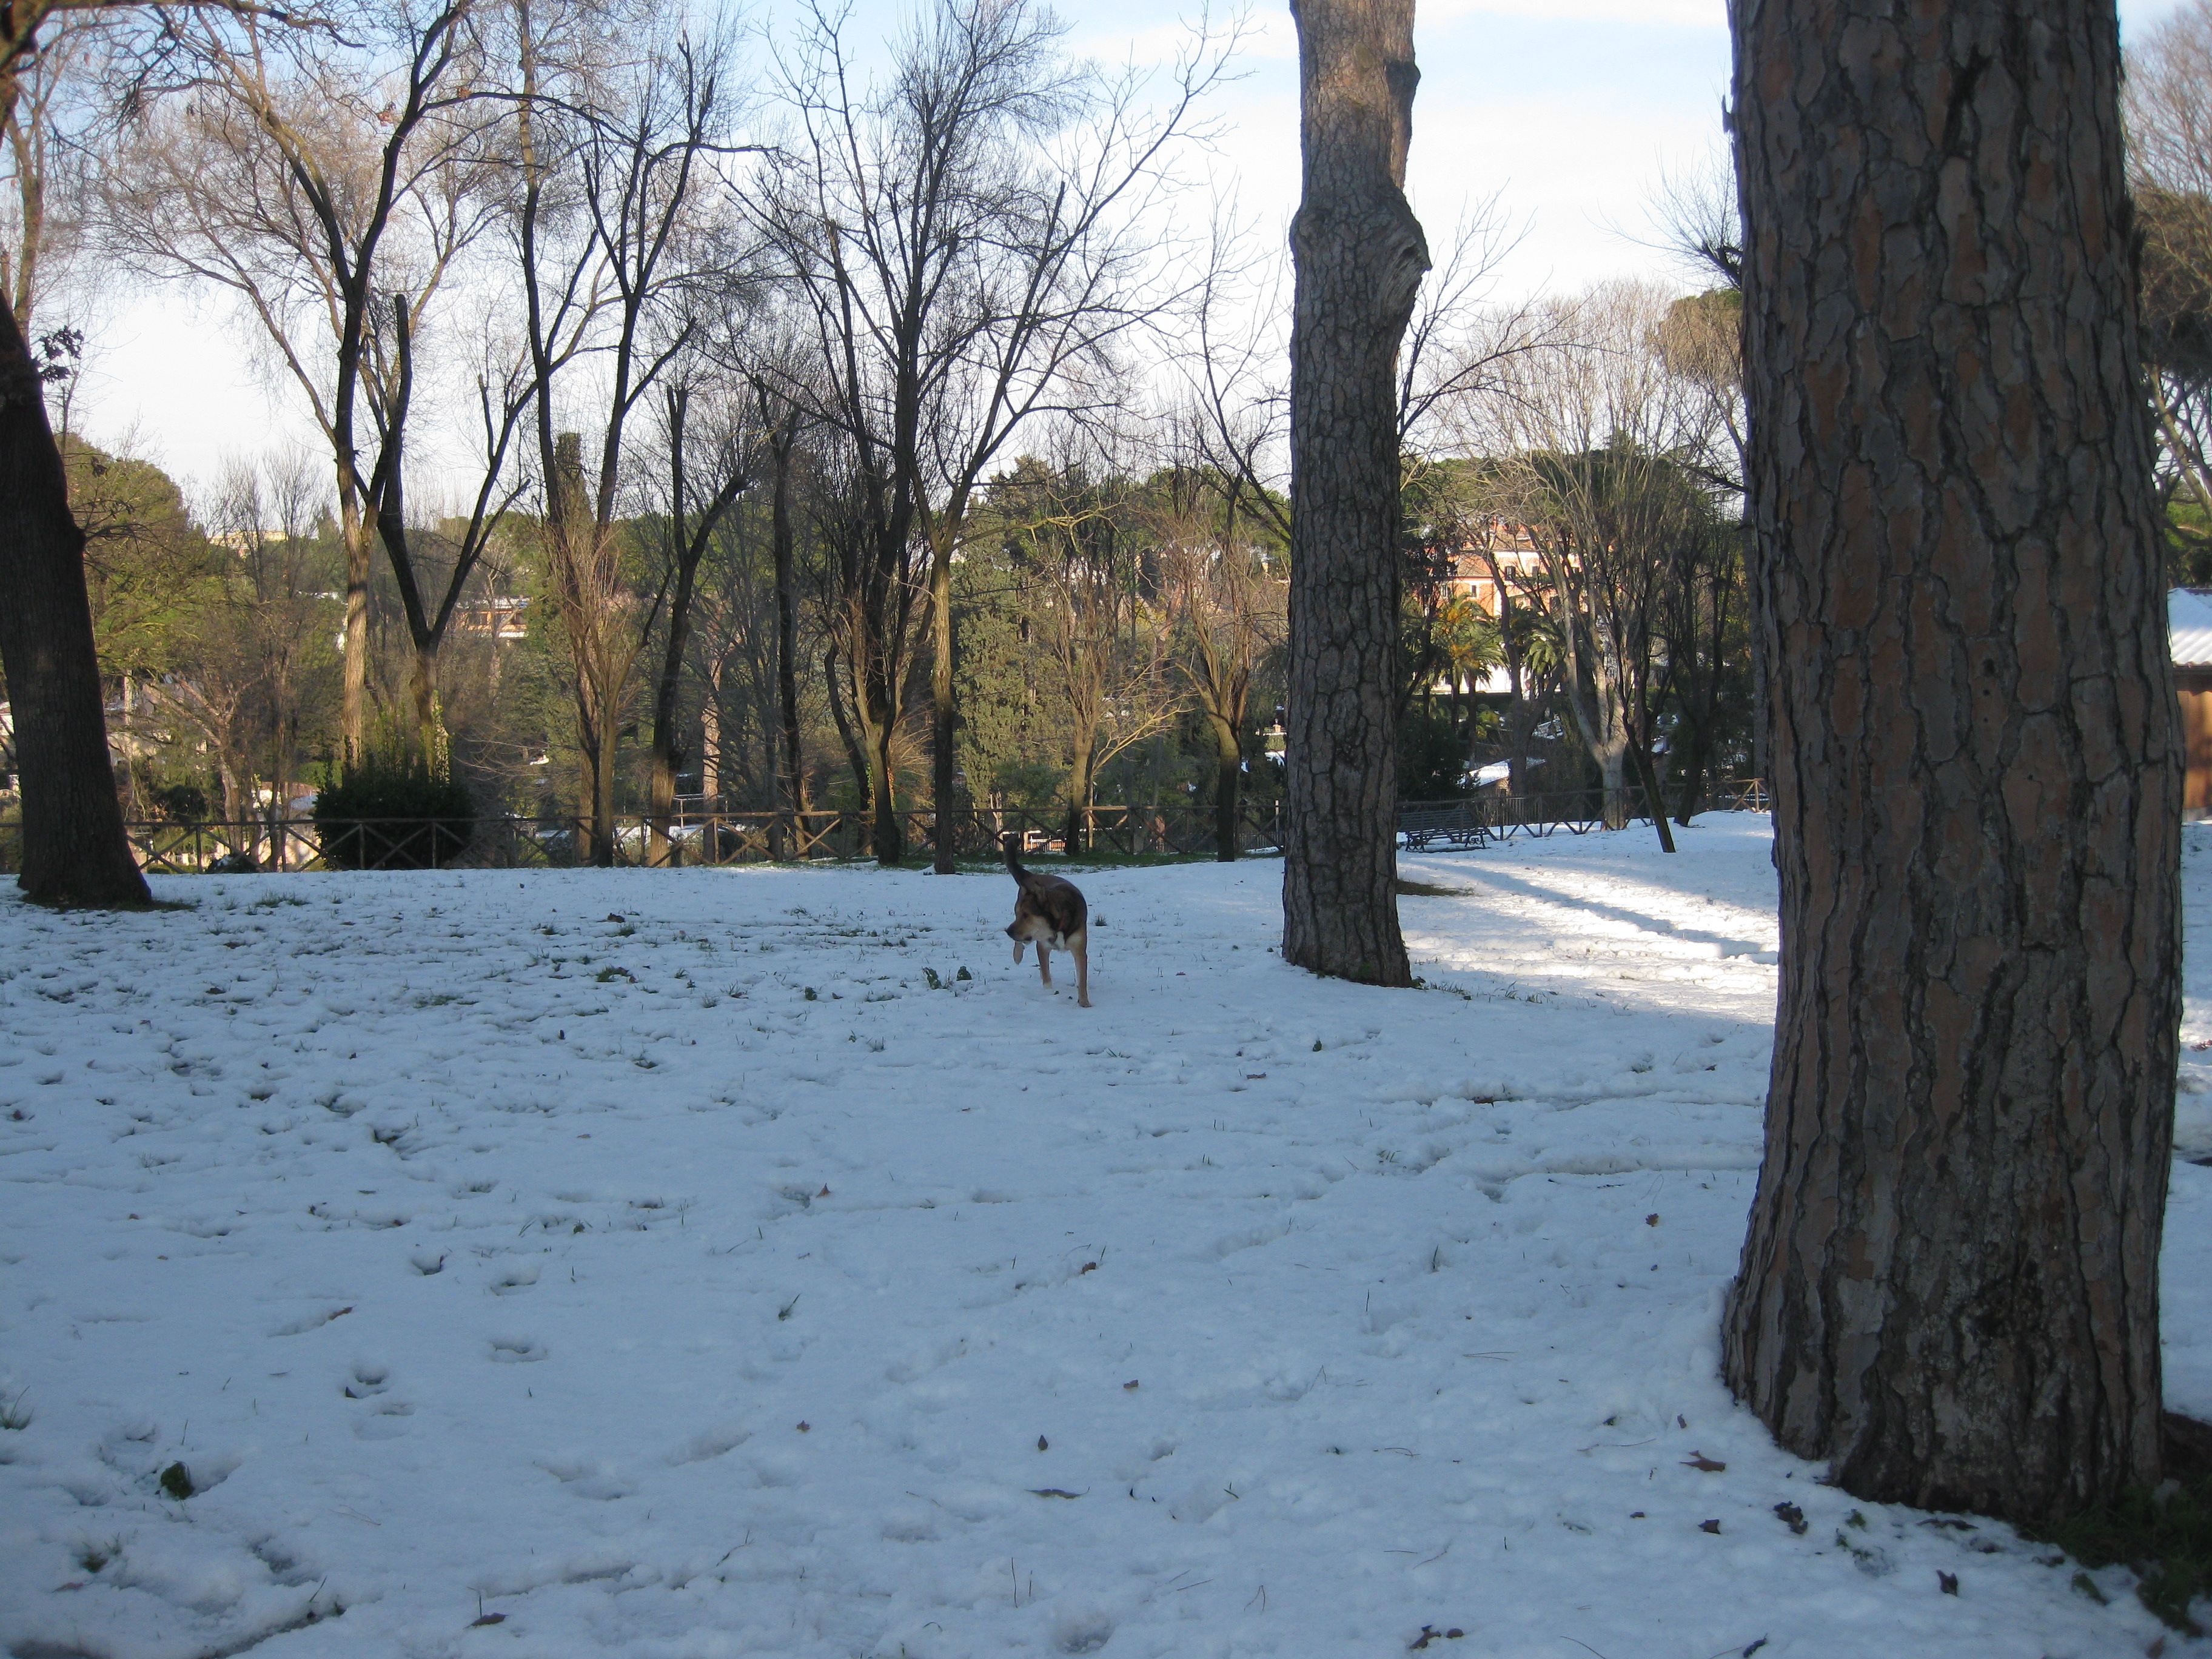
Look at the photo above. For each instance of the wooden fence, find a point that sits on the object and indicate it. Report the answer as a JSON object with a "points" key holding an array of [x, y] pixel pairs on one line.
{"points": [[507, 842], [1494, 817]]}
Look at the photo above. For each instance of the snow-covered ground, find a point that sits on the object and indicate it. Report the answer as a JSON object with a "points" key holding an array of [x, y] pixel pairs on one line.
{"points": [[662, 1264]]}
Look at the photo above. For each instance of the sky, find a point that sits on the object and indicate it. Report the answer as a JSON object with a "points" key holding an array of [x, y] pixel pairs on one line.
{"points": [[1570, 111]]}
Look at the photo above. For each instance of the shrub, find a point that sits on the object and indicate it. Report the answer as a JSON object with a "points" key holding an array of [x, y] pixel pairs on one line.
{"points": [[1432, 757], [181, 803], [394, 813]]}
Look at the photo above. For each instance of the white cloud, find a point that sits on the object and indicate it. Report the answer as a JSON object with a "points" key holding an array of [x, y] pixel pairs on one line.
{"points": [[1671, 14]]}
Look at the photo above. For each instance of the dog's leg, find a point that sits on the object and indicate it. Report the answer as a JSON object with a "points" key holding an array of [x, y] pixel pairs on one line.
{"points": [[1019, 946], [1044, 963], [1082, 971]]}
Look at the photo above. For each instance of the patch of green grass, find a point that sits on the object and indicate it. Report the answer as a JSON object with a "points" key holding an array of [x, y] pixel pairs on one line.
{"points": [[2165, 1538]]}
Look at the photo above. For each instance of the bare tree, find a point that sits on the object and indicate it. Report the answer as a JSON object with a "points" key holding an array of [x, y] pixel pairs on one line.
{"points": [[503, 396], [75, 851], [650, 261], [1593, 435], [782, 421], [703, 482], [776, 380], [1458, 351], [265, 513], [44, 143], [1699, 223], [1949, 1290], [1228, 613], [963, 232], [1460, 348], [222, 644], [1234, 368], [330, 186], [1074, 539], [757, 639]]}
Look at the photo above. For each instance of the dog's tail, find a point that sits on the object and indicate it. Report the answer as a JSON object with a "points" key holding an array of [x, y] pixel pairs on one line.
{"points": [[1009, 844]]}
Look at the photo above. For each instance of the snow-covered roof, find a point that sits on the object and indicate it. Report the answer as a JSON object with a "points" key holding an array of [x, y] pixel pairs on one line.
{"points": [[2189, 629]]}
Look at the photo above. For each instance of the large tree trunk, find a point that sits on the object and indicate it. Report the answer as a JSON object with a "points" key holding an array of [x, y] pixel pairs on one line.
{"points": [[603, 785], [75, 851], [1359, 255], [1082, 779], [1950, 1287], [873, 722], [875, 712], [856, 754], [885, 833], [587, 773], [791, 773], [1596, 710], [1655, 798], [430, 715], [1228, 787], [356, 522], [667, 754], [689, 543], [945, 711]]}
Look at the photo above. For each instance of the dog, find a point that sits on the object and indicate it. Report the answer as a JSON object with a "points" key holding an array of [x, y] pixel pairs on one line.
{"points": [[1050, 911]]}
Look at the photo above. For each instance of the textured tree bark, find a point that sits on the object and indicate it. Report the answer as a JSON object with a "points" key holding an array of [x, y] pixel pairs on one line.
{"points": [[944, 698], [856, 755], [75, 851], [878, 725], [1228, 787], [1950, 1287], [1359, 255], [687, 541], [791, 773]]}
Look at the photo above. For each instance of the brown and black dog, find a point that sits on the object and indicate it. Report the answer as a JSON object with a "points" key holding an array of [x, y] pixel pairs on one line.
{"points": [[1050, 911]]}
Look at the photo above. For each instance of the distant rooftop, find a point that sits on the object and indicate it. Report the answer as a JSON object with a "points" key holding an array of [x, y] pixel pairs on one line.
{"points": [[2189, 627]]}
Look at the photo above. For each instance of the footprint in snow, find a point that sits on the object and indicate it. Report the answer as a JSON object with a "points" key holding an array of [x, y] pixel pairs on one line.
{"points": [[709, 1443], [366, 1380], [307, 1322], [588, 1478]]}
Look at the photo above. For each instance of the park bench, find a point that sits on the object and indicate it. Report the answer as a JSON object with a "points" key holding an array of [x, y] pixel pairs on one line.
{"points": [[1459, 825]]}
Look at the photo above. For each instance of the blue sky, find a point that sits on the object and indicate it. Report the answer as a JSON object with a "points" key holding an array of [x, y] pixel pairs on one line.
{"points": [[1570, 109]]}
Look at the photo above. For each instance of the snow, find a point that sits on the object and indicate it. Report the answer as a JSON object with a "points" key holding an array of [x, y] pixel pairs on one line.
{"points": [[522, 1281]]}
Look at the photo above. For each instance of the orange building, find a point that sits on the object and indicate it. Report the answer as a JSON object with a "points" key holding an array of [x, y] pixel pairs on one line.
{"points": [[1513, 549]]}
